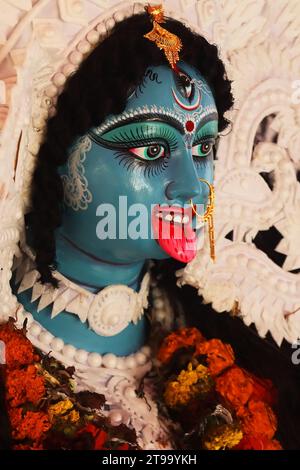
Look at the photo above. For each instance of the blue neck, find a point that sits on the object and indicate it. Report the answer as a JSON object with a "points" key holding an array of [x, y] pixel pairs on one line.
{"points": [[91, 272]]}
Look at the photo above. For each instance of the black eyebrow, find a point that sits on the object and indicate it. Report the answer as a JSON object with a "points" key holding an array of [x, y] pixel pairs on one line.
{"points": [[157, 117]]}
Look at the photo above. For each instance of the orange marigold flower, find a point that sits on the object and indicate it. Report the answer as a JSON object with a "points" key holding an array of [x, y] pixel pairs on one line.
{"points": [[15, 416], [18, 349], [219, 355], [263, 390], [258, 443], [182, 338], [34, 446], [32, 425], [24, 385], [235, 386], [258, 419]]}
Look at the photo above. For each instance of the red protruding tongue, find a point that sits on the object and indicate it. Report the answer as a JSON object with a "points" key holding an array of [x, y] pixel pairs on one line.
{"points": [[178, 240]]}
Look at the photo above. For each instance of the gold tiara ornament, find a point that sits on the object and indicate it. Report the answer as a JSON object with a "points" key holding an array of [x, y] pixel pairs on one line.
{"points": [[166, 41]]}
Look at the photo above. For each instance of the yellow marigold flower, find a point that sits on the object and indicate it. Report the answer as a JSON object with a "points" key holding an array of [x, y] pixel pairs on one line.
{"points": [[189, 383], [60, 408], [71, 417], [176, 394], [223, 437]]}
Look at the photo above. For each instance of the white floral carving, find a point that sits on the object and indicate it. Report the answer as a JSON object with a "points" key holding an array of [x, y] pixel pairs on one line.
{"points": [[76, 192]]}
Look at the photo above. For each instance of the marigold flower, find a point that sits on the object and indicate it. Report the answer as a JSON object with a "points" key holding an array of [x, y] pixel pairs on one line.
{"points": [[258, 419], [32, 425], [223, 437], [189, 383], [24, 385], [72, 417], [34, 446], [182, 338], [235, 386], [257, 443], [219, 355], [263, 390], [18, 349], [60, 408]]}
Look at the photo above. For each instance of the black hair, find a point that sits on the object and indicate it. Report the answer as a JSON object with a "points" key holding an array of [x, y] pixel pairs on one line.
{"points": [[100, 87]]}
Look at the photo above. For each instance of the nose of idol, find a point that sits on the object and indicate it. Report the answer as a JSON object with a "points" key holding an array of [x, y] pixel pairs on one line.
{"points": [[152, 155]]}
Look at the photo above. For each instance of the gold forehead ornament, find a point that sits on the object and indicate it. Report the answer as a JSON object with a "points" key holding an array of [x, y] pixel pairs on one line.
{"points": [[164, 40]]}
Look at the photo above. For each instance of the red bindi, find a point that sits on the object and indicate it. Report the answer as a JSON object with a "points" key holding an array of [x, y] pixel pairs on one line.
{"points": [[189, 125]]}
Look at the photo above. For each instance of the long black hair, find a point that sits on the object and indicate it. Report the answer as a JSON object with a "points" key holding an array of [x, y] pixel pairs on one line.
{"points": [[100, 87]]}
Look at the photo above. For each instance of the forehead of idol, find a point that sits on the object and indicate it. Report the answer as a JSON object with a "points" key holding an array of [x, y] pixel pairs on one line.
{"points": [[160, 94]]}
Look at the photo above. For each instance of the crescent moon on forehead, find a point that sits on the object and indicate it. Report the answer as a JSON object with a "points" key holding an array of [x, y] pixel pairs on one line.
{"points": [[185, 106]]}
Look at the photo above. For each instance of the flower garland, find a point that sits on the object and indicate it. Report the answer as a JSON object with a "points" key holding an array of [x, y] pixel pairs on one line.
{"points": [[43, 409], [216, 404], [209, 402]]}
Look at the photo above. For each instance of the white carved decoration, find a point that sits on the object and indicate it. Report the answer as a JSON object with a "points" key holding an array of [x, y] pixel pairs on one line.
{"points": [[101, 310], [42, 42]]}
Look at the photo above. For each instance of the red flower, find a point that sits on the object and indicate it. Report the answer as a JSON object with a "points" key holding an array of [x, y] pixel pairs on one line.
{"points": [[182, 338], [100, 440], [23, 386], [219, 355], [32, 425], [235, 386], [258, 419], [98, 434], [257, 443], [18, 349], [263, 390], [124, 446], [28, 447]]}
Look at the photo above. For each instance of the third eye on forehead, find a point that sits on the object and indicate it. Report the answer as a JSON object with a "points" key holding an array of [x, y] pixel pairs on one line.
{"points": [[184, 83], [164, 96]]}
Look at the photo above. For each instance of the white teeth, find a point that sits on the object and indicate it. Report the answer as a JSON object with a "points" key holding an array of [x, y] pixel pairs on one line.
{"points": [[177, 219]]}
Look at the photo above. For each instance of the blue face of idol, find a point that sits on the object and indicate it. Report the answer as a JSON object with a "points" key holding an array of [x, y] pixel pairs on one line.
{"points": [[129, 183], [128, 186]]}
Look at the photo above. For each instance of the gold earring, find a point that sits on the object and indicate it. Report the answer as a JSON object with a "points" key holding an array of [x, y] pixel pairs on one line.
{"points": [[208, 216]]}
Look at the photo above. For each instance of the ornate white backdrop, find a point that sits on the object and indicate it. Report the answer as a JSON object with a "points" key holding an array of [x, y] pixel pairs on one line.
{"points": [[43, 41]]}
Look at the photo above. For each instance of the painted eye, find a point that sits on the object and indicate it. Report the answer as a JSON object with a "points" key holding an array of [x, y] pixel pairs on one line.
{"points": [[184, 84], [201, 150], [151, 152]]}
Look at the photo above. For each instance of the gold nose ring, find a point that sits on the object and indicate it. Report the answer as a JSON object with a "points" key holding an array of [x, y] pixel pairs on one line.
{"points": [[208, 216]]}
